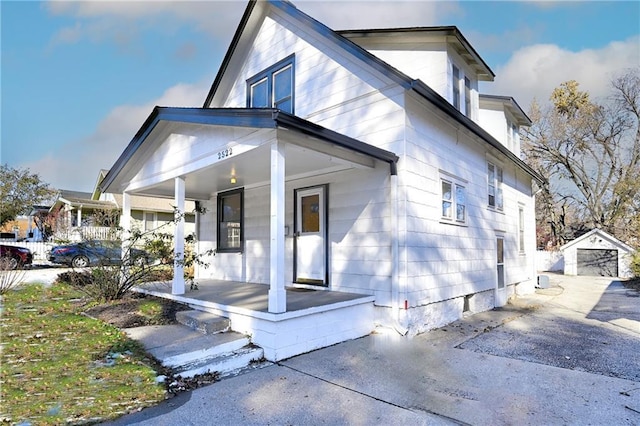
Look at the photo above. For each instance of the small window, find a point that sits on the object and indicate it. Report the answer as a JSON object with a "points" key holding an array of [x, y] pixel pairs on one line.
{"points": [[453, 201], [521, 229], [230, 221], [455, 83], [149, 223], [494, 180], [273, 88], [467, 97]]}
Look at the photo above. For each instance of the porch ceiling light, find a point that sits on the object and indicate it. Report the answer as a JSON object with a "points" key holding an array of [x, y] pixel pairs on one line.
{"points": [[233, 179]]}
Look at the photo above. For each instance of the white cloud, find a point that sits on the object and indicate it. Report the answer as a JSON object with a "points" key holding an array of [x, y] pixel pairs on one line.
{"points": [[109, 20], [76, 164], [534, 71], [103, 20]]}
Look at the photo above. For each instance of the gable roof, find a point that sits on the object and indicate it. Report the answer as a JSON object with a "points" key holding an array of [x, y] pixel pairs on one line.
{"points": [[265, 118], [451, 34], [255, 9], [597, 232], [82, 202], [510, 105]]}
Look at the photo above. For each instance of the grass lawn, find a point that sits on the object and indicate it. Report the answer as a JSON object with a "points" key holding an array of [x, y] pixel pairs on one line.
{"points": [[58, 366]]}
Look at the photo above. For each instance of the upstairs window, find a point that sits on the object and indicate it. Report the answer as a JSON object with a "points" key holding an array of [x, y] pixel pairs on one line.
{"points": [[467, 97], [494, 179], [230, 221], [455, 83], [273, 88], [454, 206]]}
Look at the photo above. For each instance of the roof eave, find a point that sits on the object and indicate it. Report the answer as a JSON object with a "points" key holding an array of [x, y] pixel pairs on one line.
{"points": [[428, 93]]}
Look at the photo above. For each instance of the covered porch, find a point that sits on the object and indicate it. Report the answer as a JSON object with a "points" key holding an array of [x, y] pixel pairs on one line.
{"points": [[313, 318], [243, 166]]}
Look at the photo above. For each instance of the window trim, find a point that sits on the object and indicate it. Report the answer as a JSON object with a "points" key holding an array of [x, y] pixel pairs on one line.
{"points": [[467, 96], [495, 182], [456, 184], [455, 80], [269, 74], [220, 197], [521, 225]]}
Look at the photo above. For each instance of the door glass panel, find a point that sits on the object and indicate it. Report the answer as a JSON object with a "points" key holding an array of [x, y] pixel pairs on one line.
{"points": [[311, 213]]}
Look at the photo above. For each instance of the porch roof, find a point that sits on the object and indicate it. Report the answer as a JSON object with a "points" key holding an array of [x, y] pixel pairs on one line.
{"points": [[257, 118]]}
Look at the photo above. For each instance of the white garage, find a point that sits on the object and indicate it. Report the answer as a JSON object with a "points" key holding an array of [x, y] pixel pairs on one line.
{"points": [[597, 253]]}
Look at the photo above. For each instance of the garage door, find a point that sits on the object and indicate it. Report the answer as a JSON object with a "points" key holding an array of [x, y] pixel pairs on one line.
{"points": [[598, 262]]}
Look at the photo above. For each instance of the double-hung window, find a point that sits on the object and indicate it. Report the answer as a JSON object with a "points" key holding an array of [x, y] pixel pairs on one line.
{"points": [[494, 179], [273, 87], [455, 83], [454, 205], [467, 97], [230, 221]]}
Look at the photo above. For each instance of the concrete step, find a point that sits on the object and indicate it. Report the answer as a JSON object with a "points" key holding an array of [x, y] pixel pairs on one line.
{"points": [[225, 364], [204, 322], [188, 352]]}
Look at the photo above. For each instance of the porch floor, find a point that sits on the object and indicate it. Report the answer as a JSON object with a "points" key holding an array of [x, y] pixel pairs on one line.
{"points": [[250, 296]]}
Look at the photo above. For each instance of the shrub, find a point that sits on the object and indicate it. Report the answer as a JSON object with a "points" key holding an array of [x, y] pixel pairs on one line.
{"points": [[10, 276], [635, 264]]}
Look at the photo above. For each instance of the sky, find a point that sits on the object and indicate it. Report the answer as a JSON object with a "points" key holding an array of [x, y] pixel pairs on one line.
{"points": [[78, 78]]}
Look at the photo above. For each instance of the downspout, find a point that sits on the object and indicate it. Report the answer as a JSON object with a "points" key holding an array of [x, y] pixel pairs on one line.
{"points": [[395, 257]]}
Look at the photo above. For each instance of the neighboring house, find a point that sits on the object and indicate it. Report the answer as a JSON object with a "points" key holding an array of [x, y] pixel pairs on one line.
{"points": [[16, 229], [84, 215], [78, 217], [597, 253], [149, 214], [350, 161]]}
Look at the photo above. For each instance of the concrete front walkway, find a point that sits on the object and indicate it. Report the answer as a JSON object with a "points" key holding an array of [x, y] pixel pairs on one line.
{"points": [[464, 373]]}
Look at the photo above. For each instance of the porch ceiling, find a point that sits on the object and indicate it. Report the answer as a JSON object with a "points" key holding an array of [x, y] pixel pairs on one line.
{"points": [[304, 156], [193, 143]]}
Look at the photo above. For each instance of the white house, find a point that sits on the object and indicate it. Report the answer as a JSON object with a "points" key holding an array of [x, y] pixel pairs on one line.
{"points": [[597, 253], [351, 166]]}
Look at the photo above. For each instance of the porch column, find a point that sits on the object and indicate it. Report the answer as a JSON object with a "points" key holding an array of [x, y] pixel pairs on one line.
{"points": [[79, 216], [178, 253], [277, 294]]}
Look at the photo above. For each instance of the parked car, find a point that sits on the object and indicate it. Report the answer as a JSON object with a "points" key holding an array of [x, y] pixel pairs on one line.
{"points": [[16, 256], [92, 253]]}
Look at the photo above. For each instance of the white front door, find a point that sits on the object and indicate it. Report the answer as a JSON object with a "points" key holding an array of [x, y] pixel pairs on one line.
{"points": [[501, 288], [310, 265]]}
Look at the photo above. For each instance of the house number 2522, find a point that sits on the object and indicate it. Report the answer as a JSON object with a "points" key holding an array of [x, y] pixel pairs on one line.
{"points": [[224, 153]]}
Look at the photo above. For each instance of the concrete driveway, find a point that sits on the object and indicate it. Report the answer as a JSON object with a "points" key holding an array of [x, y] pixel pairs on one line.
{"points": [[42, 273], [566, 355]]}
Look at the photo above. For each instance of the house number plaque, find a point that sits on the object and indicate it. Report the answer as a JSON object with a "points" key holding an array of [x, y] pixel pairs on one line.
{"points": [[225, 153]]}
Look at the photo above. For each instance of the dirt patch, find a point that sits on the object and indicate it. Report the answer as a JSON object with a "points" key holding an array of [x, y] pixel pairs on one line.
{"points": [[137, 310]]}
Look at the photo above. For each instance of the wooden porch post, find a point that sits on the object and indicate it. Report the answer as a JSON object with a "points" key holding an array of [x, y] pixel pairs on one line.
{"points": [[277, 294], [177, 286]]}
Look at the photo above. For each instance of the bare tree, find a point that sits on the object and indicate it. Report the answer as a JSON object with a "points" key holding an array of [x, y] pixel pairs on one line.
{"points": [[590, 154]]}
